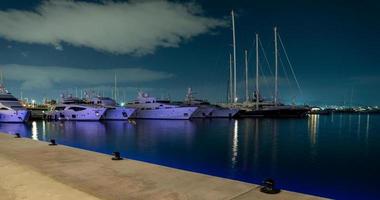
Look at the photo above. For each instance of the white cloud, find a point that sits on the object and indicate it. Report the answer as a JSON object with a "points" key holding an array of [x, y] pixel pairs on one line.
{"points": [[135, 27], [37, 77]]}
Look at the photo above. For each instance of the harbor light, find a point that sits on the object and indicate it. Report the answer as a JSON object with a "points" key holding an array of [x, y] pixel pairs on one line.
{"points": [[122, 104], [33, 103]]}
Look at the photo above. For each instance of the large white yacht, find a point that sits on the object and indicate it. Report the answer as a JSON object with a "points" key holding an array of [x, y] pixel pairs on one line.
{"points": [[75, 109], [205, 109], [11, 109], [149, 108], [113, 112], [220, 112]]}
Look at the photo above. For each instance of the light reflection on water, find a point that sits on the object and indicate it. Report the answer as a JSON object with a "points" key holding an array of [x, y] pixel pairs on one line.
{"points": [[34, 131], [323, 155], [235, 143], [313, 128]]}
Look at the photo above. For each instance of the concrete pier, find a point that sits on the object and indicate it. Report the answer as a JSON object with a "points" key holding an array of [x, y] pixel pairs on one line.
{"points": [[34, 170]]}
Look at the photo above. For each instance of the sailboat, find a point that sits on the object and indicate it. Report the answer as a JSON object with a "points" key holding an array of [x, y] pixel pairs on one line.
{"points": [[272, 109]]}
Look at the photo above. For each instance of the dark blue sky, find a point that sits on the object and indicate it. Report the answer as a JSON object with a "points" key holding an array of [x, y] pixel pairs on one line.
{"points": [[333, 45]]}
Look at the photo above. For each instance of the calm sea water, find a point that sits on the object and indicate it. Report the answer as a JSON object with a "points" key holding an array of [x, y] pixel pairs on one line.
{"points": [[333, 156]]}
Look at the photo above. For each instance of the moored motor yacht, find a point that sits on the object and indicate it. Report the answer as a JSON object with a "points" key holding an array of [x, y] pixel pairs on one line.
{"points": [[75, 109], [11, 109], [149, 108], [114, 111], [220, 112], [206, 109]]}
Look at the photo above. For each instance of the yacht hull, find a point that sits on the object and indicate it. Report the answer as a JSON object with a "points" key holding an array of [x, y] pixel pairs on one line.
{"points": [[202, 112], [223, 113], [90, 114], [118, 113], [14, 115], [277, 112], [183, 113]]}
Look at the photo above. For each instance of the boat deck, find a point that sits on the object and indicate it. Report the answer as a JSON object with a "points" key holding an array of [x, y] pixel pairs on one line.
{"points": [[34, 170]]}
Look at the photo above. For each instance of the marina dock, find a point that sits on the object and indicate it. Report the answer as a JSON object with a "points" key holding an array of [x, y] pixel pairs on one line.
{"points": [[32, 169]]}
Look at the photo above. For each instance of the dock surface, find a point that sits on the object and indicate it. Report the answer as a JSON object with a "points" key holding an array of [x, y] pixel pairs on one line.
{"points": [[33, 170]]}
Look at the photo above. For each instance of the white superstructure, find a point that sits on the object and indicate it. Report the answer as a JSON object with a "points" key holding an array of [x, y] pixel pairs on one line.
{"points": [[11, 109], [76, 109], [113, 112], [205, 109], [149, 108]]}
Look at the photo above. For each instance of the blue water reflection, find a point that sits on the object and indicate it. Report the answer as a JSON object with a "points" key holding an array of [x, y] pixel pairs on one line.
{"points": [[333, 156]]}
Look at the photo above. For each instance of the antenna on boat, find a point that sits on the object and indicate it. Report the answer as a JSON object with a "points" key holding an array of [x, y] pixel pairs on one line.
{"points": [[234, 53], [257, 72], [276, 67], [246, 76]]}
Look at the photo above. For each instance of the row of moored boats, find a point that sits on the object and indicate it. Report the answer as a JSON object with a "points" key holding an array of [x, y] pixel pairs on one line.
{"points": [[105, 108]]}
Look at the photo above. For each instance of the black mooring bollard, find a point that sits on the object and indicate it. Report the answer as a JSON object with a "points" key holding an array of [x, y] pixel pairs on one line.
{"points": [[52, 142], [17, 135], [268, 187], [116, 156]]}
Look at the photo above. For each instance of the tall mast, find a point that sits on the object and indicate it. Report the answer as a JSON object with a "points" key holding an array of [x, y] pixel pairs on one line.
{"points": [[234, 49], [276, 67], [230, 82], [1, 78], [115, 88], [257, 72], [246, 76]]}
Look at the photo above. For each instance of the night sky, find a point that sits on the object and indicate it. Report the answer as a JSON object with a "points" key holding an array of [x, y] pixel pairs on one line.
{"points": [[164, 47]]}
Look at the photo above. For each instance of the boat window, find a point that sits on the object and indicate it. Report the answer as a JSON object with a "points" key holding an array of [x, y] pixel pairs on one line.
{"points": [[4, 108], [157, 108], [137, 102], [125, 114], [148, 102], [59, 108], [185, 114], [77, 108], [163, 101], [8, 99], [17, 107], [149, 108]]}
